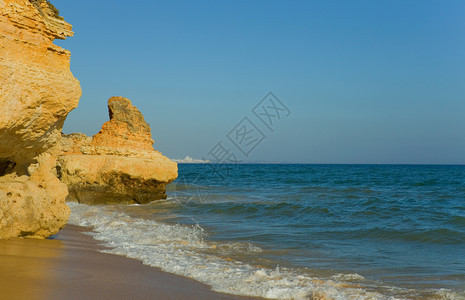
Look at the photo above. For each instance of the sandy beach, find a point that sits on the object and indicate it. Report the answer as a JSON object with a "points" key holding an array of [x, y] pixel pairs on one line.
{"points": [[69, 266]]}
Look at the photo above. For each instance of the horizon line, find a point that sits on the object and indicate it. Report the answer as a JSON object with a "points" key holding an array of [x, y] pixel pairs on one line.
{"points": [[304, 163]]}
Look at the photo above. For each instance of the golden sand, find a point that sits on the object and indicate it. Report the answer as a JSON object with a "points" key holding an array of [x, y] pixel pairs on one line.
{"points": [[69, 266]]}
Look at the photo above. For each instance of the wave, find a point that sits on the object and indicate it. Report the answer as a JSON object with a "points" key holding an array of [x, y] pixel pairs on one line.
{"points": [[433, 236], [184, 250]]}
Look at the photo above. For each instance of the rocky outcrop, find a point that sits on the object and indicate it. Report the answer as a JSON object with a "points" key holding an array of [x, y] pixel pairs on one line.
{"points": [[118, 164], [37, 91], [126, 129], [33, 206]]}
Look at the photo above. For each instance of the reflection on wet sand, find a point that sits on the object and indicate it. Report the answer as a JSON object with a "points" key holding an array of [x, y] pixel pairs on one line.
{"points": [[69, 266], [27, 267]]}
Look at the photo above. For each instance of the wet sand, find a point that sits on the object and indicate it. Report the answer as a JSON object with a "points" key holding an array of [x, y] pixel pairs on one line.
{"points": [[69, 266]]}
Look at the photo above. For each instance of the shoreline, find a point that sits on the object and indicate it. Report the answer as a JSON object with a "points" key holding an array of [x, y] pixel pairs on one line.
{"points": [[69, 266]]}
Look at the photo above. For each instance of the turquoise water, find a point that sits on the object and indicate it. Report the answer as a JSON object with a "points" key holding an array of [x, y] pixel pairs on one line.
{"points": [[394, 230]]}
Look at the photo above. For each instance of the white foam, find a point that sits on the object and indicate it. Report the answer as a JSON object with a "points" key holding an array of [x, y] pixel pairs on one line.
{"points": [[349, 277], [446, 294], [182, 250]]}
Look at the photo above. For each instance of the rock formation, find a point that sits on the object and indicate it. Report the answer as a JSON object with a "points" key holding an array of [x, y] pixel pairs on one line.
{"points": [[37, 91], [118, 164]]}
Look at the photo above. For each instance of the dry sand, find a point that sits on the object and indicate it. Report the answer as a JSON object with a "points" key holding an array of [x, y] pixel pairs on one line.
{"points": [[69, 266]]}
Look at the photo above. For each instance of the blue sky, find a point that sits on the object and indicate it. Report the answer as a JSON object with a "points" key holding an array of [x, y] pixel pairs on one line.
{"points": [[365, 81]]}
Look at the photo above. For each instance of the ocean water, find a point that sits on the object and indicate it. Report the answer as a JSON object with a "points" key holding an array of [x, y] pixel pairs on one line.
{"points": [[301, 231]]}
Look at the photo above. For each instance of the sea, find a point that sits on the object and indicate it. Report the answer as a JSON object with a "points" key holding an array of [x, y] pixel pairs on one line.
{"points": [[298, 231]]}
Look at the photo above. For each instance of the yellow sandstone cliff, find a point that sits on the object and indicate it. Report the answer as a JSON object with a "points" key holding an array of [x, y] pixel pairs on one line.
{"points": [[37, 91], [118, 164]]}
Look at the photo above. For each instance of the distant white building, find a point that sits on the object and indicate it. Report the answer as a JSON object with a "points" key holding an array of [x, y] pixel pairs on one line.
{"points": [[190, 160]]}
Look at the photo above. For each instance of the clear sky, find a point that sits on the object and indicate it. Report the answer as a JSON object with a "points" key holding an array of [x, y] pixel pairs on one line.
{"points": [[364, 81]]}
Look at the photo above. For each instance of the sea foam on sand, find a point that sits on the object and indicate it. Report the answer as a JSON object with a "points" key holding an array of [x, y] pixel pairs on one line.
{"points": [[181, 250]]}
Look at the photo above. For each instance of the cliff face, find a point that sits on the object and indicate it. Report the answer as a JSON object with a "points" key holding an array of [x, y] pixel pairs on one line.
{"points": [[37, 91], [118, 164]]}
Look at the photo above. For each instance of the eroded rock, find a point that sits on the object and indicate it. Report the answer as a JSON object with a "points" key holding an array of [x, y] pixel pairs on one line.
{"points": [[37, 91], [33, 206], [118, 164]]}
